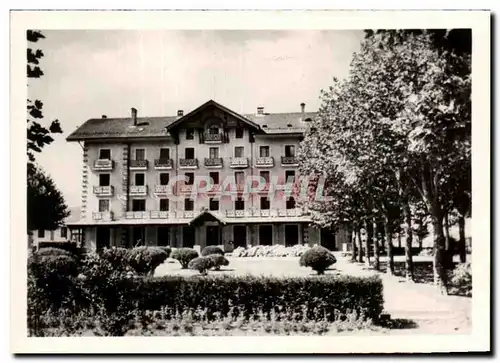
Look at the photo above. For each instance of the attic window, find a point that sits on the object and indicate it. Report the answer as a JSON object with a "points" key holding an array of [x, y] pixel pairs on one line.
{"points": [[264, 126], [308, 119], [289, 125]]}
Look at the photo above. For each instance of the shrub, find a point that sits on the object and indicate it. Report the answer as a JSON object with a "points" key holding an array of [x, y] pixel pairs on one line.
{"points": [[318, 258], [167, 250], [461, 280], [329, 297], [67, 246], [53, 251], [184, 255], [212, 250], [201, 264], [116, 256], [218, 261], [45, 264], [145, 259]]}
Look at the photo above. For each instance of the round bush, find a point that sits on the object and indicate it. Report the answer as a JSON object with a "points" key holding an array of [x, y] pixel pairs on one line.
{"points": [[167, 250], [145, 259], [184, 255], [318, 258], [212, 250], [201, 264], [116, 256], [218, 261], [47, 266]]}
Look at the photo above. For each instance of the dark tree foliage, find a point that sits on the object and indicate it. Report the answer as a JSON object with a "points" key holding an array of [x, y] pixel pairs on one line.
{"points": [[38, 135], [46, 206]]}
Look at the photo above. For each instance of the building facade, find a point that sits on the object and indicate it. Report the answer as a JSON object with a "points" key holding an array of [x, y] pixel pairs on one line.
{"points": [[207, 177]]}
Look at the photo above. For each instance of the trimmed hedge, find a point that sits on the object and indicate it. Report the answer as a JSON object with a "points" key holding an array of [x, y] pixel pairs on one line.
{"points": [[212, 250], [184, 255], [318, 258], [145, 259], [201, 264], [326, 297], [218, 261]]}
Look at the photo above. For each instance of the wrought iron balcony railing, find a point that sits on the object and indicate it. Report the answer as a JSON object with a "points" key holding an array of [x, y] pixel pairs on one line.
{"points": [[240, 162], [138, 190], [104, 164], [104, 191], [164, 164], [138, 164], [188, 163], [264, 162], [289, 160], [212, 138], [102, 216], [213, 162]]}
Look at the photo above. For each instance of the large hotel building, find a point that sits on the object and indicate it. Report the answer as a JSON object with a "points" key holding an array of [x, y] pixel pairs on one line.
{"points": [[131, 166]]}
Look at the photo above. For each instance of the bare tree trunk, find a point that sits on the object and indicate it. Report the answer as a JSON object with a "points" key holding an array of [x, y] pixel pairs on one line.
{"points": [[439, 268], [376, 254], [353, 245], [461, 231], [447, 243], [359, 244], [388, 240], [408, 242], [399, 239], [368, 242]]}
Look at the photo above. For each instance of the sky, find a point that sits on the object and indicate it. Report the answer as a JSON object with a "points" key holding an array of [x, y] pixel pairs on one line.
{"points": [[89, 73]]}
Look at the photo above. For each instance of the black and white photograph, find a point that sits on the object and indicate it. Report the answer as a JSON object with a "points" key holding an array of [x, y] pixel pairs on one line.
{"points": [[262, 181]]}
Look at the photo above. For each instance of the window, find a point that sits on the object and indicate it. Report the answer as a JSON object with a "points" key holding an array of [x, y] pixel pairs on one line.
{"points": [[190, 134], [289, 150], [188, 204], [103, 205], [239, 204], [41, 233], [189, 178], [140, 179], [104, 180], [105, 154], [213, 152], [239, 133], [265, 176], [52, 235], [189, 153], [163, 236], [215, 177], [290, 203], [164, 153], [213, 204], [213, 130], [164, 205], [138, 205], [64, 232], [290, 176], [239, 176], [140, 154], [164, 178], [264, 203], [264, 151], [239, 151]]}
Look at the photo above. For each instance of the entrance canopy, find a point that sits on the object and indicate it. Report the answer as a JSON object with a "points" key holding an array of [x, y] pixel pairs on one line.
{"points": [[207, 216]]}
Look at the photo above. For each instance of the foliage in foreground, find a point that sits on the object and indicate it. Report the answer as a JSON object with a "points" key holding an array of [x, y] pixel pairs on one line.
{"points": [[461, 280], [218, 261], [212, 250], [200, 264], [162, 323]]}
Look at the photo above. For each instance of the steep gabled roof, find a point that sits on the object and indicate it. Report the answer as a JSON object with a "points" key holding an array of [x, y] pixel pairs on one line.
{"points": [[99, 128], [207, 215], [214, 104]]}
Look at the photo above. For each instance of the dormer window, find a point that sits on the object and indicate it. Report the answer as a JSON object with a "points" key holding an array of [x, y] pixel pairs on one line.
{"points": [[264, 126], [190, 134], [239, 133], [289, 125]]}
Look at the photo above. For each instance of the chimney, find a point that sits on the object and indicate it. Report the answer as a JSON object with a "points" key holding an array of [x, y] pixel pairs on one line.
{"points": [[260, 110], [104, 116], [302, 107], [133, 112], [180, 112]]}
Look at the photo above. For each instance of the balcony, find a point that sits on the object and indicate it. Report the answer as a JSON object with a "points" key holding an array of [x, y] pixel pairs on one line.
{"points": [[239, 162], [160, 214], [102, 216], [137, 215], [213, 138], [186, 188], [264, 162], [188, 163], [104, 191], [289, 161], [138, 190], [138, 165], [103, 165], [164, 164], [214, 163], [162, 190], [188, 214], [271, 213]]}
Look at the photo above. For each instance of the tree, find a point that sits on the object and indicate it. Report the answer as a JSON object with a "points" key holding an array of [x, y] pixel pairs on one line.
{"points": [[46, 206], [37, 134]]}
